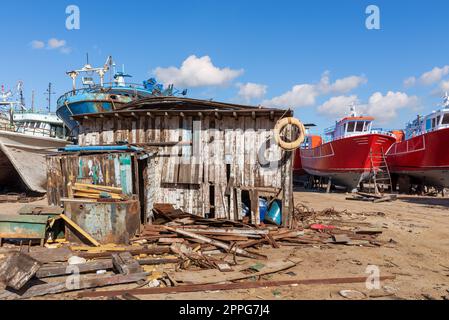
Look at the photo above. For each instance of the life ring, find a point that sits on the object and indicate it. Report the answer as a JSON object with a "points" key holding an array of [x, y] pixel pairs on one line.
{"points": [[280, 125]]}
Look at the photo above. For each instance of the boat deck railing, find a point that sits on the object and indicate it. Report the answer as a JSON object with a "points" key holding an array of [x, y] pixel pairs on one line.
{"points": [[327, 138], [103, 88], [7, 127]]}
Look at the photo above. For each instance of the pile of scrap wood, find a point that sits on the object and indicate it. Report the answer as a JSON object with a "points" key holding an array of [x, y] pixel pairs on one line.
{"points": [[173, 226], [370, 197], [20, 198], [143, 269], [95, 192], [179, 252]]}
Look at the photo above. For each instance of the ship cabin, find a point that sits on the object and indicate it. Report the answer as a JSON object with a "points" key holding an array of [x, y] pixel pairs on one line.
{"points": [[434, 121], [349, 126], [39, 124]]}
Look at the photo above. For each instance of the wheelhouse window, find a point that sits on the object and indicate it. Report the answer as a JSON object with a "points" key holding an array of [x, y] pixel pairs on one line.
{"points": [[351, 127], [445, 119], [359, 126]]}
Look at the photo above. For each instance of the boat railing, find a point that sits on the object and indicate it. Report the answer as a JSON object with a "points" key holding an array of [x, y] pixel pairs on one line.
{"points": [[38, 132], [7, 127], [355, 134], [382, 131], [105, 87], [329, 131]]}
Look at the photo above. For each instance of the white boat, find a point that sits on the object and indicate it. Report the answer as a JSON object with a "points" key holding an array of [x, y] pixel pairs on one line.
{"points": [[24, 144]]}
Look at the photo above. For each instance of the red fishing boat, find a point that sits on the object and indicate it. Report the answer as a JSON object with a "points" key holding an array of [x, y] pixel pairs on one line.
{"points": [[310, 141], [347, 156], [422, 156]]}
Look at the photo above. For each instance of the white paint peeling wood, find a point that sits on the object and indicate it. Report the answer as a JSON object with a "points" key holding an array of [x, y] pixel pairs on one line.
{"points": [[228, 140]]}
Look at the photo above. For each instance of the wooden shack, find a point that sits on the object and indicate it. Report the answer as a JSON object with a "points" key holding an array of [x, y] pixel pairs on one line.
{"points": [[207, 158]]}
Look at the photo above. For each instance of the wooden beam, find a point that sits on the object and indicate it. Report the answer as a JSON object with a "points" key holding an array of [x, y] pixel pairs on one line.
{"points": [[216, 243], [229, 286], [17, 269], [62, 286], [80, 230]]}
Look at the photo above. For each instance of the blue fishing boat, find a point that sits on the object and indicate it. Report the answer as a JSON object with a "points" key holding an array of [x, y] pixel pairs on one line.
{"points": [[102, 97]]}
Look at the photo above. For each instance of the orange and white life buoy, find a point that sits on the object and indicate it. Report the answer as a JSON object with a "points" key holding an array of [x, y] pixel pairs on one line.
{"points": [[280, 125]]}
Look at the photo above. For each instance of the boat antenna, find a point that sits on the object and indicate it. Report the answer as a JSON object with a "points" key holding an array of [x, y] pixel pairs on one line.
{"points": [[32, 101], [445, 100], [49, 93], [352, 109], [21, 97]]}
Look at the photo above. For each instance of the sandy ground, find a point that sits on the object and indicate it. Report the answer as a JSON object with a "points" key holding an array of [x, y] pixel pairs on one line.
{"points": [[418, 254]]}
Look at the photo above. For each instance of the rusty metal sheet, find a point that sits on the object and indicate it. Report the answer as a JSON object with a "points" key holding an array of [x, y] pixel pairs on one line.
{"points": [[23, 226], [106, 222]]}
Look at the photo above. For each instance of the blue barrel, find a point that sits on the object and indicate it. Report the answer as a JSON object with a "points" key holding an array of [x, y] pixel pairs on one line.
{"points": [[245, 210], [275, 213], [263, 208]]}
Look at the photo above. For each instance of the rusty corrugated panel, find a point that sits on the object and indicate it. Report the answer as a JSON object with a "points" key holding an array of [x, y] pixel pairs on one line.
{"points": [[106, 222]]}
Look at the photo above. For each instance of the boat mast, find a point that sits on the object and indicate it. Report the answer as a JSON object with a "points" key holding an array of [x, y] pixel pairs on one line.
{"points": [[49, 93]]}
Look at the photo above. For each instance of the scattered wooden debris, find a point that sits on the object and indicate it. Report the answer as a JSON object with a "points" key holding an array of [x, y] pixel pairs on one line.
{"points": [[16, 269], [180, 251], [62, 286], [90, 191], [20, 198], [124, 263], [228, 286], [361, 196]]}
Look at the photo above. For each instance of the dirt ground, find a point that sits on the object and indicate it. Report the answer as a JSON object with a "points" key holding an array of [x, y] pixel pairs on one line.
{"points": [[418, 253]]}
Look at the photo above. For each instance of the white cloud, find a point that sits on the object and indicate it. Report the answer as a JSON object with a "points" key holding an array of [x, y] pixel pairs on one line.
{"points": [[36, 44], [444, 86], [250, 91], [434, 75], [197, 72], [343, 85], [303, 95], [409, 82], [54, 43], [428, 78], [383, 107], [337, 107]]}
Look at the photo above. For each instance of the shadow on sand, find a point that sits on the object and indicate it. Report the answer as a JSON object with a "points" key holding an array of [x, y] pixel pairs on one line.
{"points": [[428, 201]]}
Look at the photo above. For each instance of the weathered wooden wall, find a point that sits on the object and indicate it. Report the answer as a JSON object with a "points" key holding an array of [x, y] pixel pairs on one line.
{"points": [[224, 158], [113, 169]]}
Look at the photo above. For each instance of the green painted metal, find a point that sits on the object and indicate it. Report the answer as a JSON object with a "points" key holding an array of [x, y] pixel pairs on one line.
{"points": [[23, 226]]}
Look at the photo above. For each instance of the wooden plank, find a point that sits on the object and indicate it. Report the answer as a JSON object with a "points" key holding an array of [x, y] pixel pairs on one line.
{"points": [[62, 286], [62, 270], [80, 230], [230, 286], [216, 243], [216, 276], [17, 269], [124, 263]]}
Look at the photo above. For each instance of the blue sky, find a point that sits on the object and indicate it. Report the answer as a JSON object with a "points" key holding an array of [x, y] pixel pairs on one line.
{"points": [[313, 56]]}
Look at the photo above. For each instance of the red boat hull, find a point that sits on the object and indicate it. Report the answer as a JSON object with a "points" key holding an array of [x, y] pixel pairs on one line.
{"points": [[424, 157], [347, 161]]}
